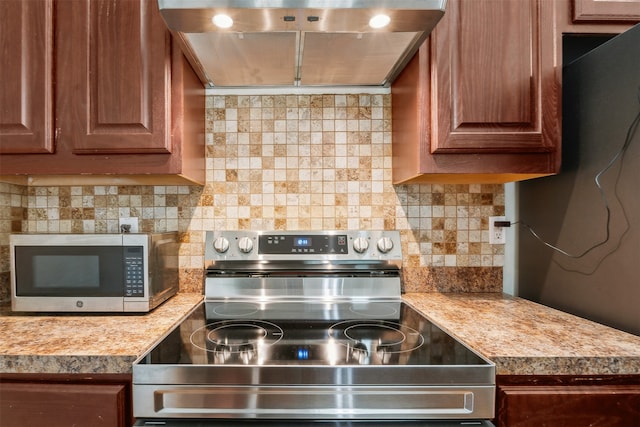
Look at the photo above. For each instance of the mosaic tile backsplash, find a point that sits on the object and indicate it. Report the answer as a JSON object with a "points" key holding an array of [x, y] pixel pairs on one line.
{"points": [[290, 162]]}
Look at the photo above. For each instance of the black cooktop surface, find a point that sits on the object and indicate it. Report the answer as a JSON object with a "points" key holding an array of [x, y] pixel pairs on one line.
{"points": [[388, 333]]}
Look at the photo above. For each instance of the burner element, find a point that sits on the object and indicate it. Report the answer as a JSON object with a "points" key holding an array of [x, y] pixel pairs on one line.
{"points": [[388, 336], [236, 341], [237, 334], [379, 337]]}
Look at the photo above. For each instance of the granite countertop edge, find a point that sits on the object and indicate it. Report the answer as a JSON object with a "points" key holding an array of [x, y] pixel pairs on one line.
{"points": [[86, 344], [519, 336], [525, 338]]}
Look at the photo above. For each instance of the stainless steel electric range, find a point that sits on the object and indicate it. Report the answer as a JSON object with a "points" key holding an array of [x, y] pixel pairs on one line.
{"points": [[308, 328]]}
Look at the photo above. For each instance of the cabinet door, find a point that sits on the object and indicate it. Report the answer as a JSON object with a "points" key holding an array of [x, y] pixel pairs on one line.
{"points": [[494, 68], [52, 405], [568, 406], [480, 101], [126, 101], [113, 89], [567, 400], [26, 85], [606, 10]]}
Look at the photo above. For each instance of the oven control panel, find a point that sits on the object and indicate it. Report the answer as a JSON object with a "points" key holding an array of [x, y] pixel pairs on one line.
{"points": [[303, 245]]}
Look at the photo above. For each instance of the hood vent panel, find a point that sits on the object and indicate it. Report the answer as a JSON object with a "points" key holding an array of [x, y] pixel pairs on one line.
{"points": [[300, 43], [322, 50], [246, 59]]}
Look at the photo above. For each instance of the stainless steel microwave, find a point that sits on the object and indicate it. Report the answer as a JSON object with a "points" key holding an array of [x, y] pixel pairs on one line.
{"points": [[92, 272]]}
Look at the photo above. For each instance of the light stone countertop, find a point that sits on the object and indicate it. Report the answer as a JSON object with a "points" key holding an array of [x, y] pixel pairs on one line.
{"points": [[525, 338], [521, 337], [84, 344]]}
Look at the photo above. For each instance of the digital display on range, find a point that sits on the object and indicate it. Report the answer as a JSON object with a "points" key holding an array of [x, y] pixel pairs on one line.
{"points": [[302, 353], [304, 245], [302, 242]]}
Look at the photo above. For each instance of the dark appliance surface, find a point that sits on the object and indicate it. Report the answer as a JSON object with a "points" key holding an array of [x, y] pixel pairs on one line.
{"points": [[309, 350], [599, 280], [313, 333]]}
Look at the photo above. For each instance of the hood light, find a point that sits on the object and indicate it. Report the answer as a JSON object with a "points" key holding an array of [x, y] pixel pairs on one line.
{"points": [[379, 21], [222, 21]]}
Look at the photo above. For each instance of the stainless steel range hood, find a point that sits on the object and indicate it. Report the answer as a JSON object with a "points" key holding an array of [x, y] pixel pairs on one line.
{"points": [[303, 43]]}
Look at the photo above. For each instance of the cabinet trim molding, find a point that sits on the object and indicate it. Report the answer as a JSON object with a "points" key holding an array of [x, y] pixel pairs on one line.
{"points": [[606, 10]]}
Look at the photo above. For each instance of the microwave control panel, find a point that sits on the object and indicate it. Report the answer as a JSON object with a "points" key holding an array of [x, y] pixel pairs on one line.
{"points": [[133, 271]]}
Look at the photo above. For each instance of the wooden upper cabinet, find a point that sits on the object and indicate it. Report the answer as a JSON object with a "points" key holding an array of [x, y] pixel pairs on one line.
{"points": [[115, 97], [480, 101], [606, 10], [26, 78], [489, 78], [127, 106]]}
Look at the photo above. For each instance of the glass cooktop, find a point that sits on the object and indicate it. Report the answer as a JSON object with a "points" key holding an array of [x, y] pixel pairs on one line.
{"points": [[388, 333]]}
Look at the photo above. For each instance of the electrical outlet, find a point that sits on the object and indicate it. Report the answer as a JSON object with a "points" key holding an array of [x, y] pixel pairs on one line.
{"points": [[132, 222], [497, 235]]}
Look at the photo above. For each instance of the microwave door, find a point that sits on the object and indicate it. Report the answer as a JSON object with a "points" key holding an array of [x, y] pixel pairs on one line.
{"points": [[69, 271]]}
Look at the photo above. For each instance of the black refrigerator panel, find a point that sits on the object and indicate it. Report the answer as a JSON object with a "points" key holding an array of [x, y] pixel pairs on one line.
{"points": [[594, 272]]}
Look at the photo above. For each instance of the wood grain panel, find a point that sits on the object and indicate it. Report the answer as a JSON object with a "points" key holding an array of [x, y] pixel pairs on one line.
{"points": [[567, 401], [411, 119], [494, 61], [110, 100], [119, 67], [69, 403], [570, 406], [606, 10], [480, 101], [128, 107], [26, 81]]}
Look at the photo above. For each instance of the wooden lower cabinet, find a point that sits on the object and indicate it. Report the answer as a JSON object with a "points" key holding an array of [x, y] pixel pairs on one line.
{"points": [[567, 401], [34, 400]]}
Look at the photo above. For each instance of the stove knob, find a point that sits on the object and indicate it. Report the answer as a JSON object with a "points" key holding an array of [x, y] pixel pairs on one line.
{"points": [[221, 245], [245, 244], [385, 244], [360, 245]]}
